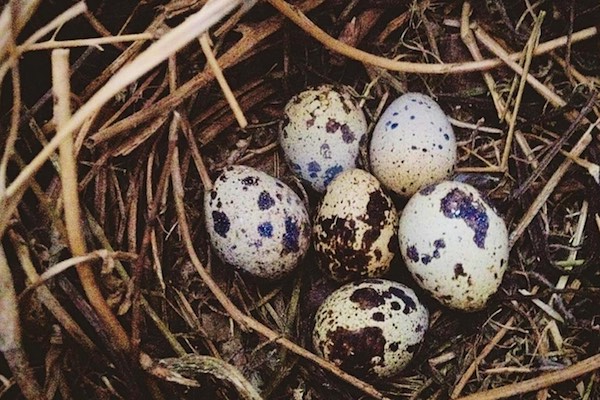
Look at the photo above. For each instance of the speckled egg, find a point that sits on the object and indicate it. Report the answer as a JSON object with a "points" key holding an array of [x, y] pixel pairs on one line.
{"points": [[454, 244], [256, 223], [321, 134], [370, 328], [355, 227], [413, 144]]}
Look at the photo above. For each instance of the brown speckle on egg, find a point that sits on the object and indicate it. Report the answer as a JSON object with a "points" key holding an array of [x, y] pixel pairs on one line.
{"points": [[354, 226], [370, 328]]}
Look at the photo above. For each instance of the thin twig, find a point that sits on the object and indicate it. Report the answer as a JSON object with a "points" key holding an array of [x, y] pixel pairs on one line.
{"points": [[543, 381], [175, 39], [402, 66], [95, 42], [216, 69], [24, 11], [530, 46], [10, 335], [480, 357], [539, 201], [555, 148], [68, 172]]}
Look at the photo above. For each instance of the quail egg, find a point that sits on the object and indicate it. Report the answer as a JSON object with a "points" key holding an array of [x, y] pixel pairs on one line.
{"points": [[370, 328], [256, 222], [413, 144], [355, 227], [454, 244], [321, 133]]}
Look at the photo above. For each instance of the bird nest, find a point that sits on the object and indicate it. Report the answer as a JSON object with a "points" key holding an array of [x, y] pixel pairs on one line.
{"points": [[117, 115]]}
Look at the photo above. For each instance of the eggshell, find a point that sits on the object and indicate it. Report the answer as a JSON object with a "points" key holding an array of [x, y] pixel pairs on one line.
{"points": [[413, 144], [256, 223], [454, 244], [370, 328], [355, 227], [321, 134]]}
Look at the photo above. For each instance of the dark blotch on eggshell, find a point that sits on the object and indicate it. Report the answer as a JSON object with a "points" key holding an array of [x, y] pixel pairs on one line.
{"points": [[427, 190], [378, 316], [347, 134], [221, 223], [377, 254], [367, 298], [459, 271], [458, 204], [332, 125], [313, 169], [284, 124], [412, 253], [291, 236], [265, 229], [412, 348], [339, 234], [355, 351], [250, 180], [409, 303], [331, 173], [265, 201]]}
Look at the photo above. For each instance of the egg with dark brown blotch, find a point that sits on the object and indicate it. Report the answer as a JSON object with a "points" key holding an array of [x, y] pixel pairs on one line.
{"points": [[355, 226], [370, 328], [322, 131], [256, 222], [413, 144], [454, 244]]}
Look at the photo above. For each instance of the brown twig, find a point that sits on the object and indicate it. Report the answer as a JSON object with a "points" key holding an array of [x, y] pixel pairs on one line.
{"points": [[151, 57], [543, 381], [539, 201], [317, 33], [68, 171], [10, 335], [480, 357], [218, 72], [555, 148]]}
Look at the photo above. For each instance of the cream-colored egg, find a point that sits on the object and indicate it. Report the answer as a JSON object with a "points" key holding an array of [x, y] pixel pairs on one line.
{"points": [[370, 328], [454, 244], [321, 134], [355, 227], [256, 222], [413, 144]]}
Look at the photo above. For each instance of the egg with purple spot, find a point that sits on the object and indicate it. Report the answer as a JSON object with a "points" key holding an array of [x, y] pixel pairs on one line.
{"points": [[454, 244], [413, 144], [256, 222], [321, 134]]}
